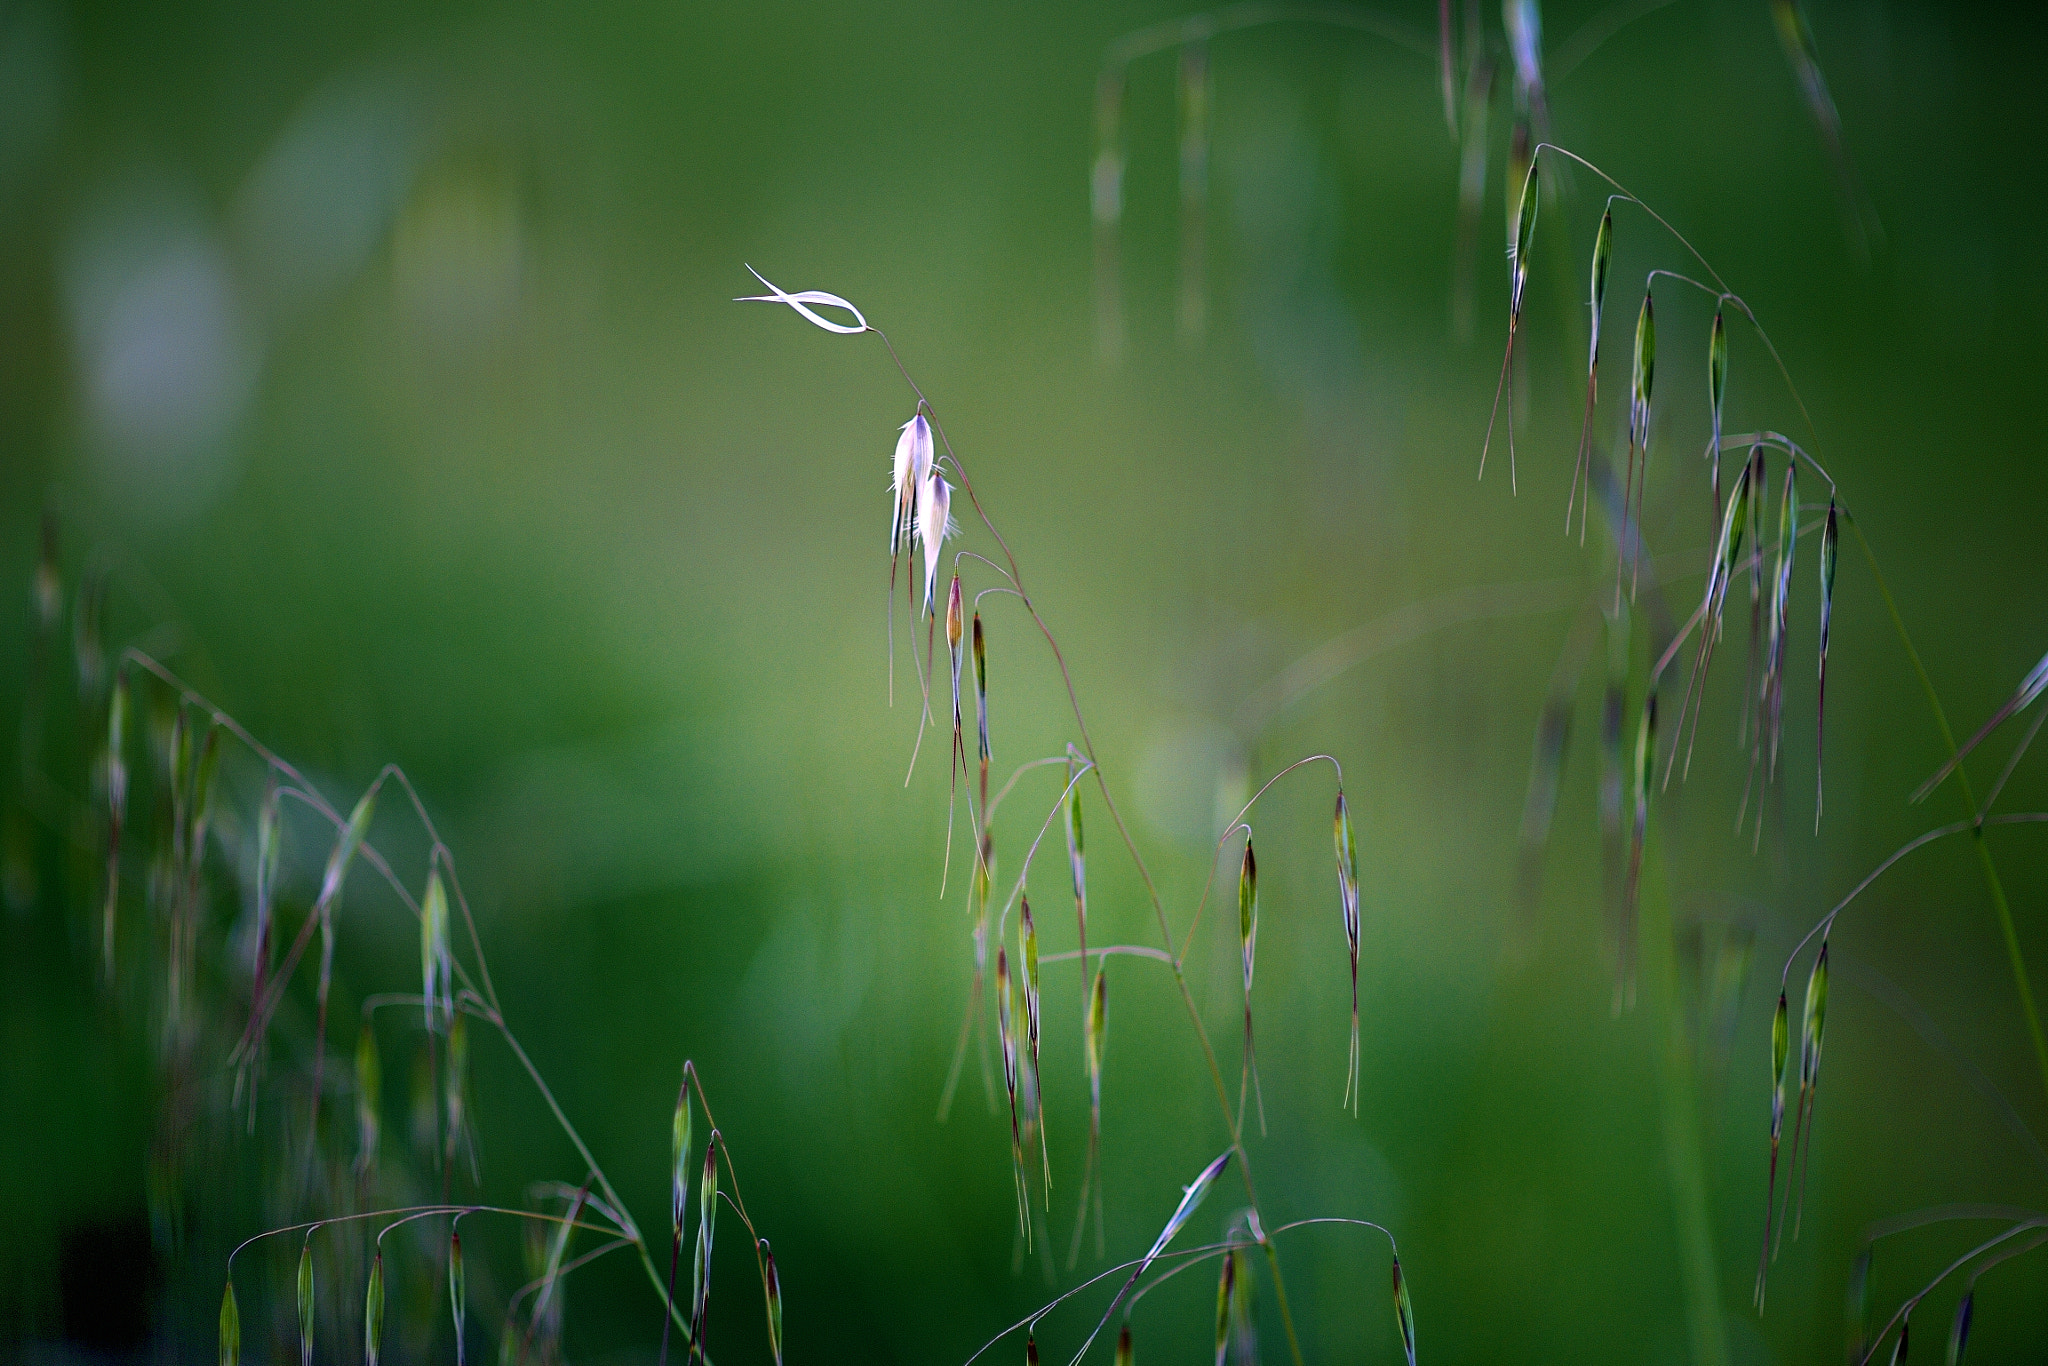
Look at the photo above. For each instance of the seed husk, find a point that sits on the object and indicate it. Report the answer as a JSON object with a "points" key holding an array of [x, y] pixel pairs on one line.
{"points": [[679, 1154], [1347, 897], [1404, 1313], [707, 1227], [458, 1291], [1027, 935], [1603, 251], [1813, 1018], [1828, 540], [434, 956], [230, 1327], [1781, 1039], [373, 1313], [1248, 947], [1518, 278], [308, 1306], [369, 1097], [771, 1285], [1226, 1283]]}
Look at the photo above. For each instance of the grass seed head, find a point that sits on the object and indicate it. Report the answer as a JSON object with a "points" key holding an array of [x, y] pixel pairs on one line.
{"points": [[1404, 1313], [1643, 372], [435, 987], [230, 1327], [1603, 254], [1098, 1028], [308, 1306], [1959, 1331], [1525, 233], [369, 1095], [981, 701], [373, 1313], [345, 847], [458, 1290], [1781, 1043], [1829, 538], [1124, 1355], [1030, 1349], [1226, 1284], [912, 464], [1813, 1018], [934, 525], [1248, 911], [679, 1155], [1717, 375], [772, 1289]]}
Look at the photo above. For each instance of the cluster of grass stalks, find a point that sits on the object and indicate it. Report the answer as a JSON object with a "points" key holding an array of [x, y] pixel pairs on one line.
{"points": [[214, 943], [207, 842], [926, 469]]}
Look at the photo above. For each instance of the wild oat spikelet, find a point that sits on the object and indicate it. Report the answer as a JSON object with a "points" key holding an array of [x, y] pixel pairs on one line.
{"points": [[1641, 374], [1959, 1331], [458, 1292], [1226, 1284], [771, 1289], [934, 525], [679, 1153], [1813, 1019], [230, 1327], [911, 466], [1248, 948], [1829, 537], [1006, 1029], [436, 984], [1717, 390], [1027, 940], [1125, 1356], [1404, 1313], [1781, 1041], [308, 1306], [373, 1313], [1603, 251], [1518, 279], [1347, 899], [707, 1226], [369, 1097]]}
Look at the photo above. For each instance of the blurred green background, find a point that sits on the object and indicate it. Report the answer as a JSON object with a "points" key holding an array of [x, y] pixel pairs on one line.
{"points": [[382, 356]]}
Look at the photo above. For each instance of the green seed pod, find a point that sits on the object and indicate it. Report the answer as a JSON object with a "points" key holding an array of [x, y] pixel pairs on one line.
{"points": [[1226, 1283], [981, 691], [1603, 253], [707, 1225], [1347, 871], [679, 1150], [1404, 1312], [1959, 1331], [230, 1328], [1098, 1027], [458, 1290], [1525, 233], [345, 847], [1717, 374], [1248, 910], [369, 1094], [1781, 1043], [773, 1290], [373, 1313], [1813, 1019], [308, 1306], [1643, 373]]}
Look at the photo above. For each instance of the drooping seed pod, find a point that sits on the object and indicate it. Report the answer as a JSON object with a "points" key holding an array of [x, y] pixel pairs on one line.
{"points": [[772, 1290], [679, 1153], [458, 1292], [1828, 540], [308, 1306], [369, 1097], [373, 1313], [1027, 934], [435, 971], [1347, 898], [908, 471], [981, 707], [1959, 1331], [707, 1225], [1404, 1313], [230, 1327], [1524, 236], [1781, 1038], [934, 525], [345, 847], [1643, 373], [1717, 390], [1248, 948], [1603, 252], [1226, 1284]]}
